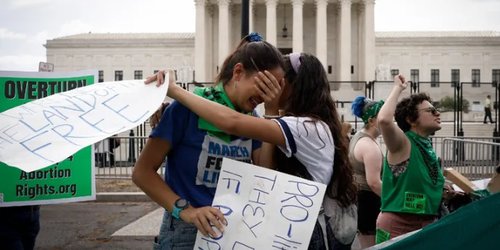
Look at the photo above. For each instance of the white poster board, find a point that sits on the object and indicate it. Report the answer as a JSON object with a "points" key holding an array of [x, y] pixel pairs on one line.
{"points": [[48, 130], [265, 209]]}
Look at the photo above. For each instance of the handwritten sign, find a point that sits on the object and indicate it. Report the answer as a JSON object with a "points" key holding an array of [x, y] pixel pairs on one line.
{"points": [[265, 209], [48, 130]]}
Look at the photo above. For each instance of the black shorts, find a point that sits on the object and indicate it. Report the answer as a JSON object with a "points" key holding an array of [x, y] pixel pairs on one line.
{"points": [[368, 210]]}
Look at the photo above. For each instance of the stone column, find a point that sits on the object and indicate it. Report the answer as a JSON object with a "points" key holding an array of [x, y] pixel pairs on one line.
{"points": [[251, 16], [361, 42], [368, 73], [271, 21], [223, 31], [200, 62], [336, 14], [321, 33], [298, 31], [345, 41]]}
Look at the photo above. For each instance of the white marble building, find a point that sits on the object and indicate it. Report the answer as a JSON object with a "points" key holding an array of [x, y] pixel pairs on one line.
{"points": [[339, 32], [123, 56]]}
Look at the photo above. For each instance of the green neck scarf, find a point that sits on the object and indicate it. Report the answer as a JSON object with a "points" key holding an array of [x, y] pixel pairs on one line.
{"points": [[424, 145], [372, 111], [216, 94]]}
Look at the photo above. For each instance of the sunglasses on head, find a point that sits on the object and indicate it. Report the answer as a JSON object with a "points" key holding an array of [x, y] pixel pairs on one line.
{"points": [[432, 110], [254, 64]]}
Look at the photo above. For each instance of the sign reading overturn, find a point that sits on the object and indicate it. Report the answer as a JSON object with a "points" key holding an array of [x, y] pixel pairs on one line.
{"points": [[47, 122], [69, 180]]}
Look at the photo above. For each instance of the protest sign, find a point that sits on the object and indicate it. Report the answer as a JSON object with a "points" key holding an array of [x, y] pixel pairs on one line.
{"points": [[46, 131], [45, 134], [265, 209], [69, 180]]}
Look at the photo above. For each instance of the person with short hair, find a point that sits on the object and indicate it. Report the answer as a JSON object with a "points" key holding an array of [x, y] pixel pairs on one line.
{"points": [[412, 179], [366, 159], [487, 109]]}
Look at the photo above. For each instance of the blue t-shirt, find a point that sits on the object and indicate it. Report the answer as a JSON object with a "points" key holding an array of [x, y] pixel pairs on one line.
{"points": [[195, 157]]}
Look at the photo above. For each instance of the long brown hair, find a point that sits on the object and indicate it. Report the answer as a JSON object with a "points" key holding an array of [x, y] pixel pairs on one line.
{"points": [[310, 96]]}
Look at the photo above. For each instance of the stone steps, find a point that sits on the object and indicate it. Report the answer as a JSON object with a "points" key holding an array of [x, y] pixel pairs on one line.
{"points": [[472, 129]]}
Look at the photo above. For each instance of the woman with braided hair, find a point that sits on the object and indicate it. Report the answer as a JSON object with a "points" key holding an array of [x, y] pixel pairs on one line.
{"points": [[366, 158]]}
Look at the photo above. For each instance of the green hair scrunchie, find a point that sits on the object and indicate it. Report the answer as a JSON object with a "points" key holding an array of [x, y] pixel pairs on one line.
{"points": [[372, 111]]}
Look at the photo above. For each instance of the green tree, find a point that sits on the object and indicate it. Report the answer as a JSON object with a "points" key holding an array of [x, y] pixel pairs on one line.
{"points": [[447, 103]]}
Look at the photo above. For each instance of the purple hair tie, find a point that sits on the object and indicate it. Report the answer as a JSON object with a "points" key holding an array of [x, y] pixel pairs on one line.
{"points": [[295, 61]]}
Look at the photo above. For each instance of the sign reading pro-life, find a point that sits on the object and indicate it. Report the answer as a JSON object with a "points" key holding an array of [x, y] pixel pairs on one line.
{"points": [[69, 180], [265, 209]]}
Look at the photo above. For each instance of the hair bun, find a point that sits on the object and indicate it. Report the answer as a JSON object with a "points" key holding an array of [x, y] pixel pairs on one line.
{"points": [[357, 106], [254, 37]]}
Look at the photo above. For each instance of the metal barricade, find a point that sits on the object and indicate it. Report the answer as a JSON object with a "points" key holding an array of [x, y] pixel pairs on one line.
{"points": [[472, 158], [475, 157], [115, 157]]}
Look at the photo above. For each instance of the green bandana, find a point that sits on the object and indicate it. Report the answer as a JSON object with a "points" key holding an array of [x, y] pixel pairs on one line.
{"points": [[425, 147], [216, 94], [372, 111]]}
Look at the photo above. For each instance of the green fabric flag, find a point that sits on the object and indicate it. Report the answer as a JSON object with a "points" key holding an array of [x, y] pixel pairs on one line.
{"points": [[474, 226], [424, 145], [216, 94], [372, 111]]}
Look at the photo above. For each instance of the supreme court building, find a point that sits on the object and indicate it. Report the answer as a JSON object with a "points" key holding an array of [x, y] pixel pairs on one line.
{"points": [[339, 32]]}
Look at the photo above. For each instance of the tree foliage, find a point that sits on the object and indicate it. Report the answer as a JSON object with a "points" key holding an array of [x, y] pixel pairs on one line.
{"points": [[447, 103]]}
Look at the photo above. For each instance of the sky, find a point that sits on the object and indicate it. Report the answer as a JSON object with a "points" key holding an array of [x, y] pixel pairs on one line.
{"points": [[25, 25]]}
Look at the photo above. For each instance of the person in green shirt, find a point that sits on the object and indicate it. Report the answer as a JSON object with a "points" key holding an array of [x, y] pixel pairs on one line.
{"points": [[412, 180]]}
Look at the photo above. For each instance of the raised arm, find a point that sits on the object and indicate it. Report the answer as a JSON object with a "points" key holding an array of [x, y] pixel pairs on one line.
{"points": [[395, 140], [226, 119]]}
